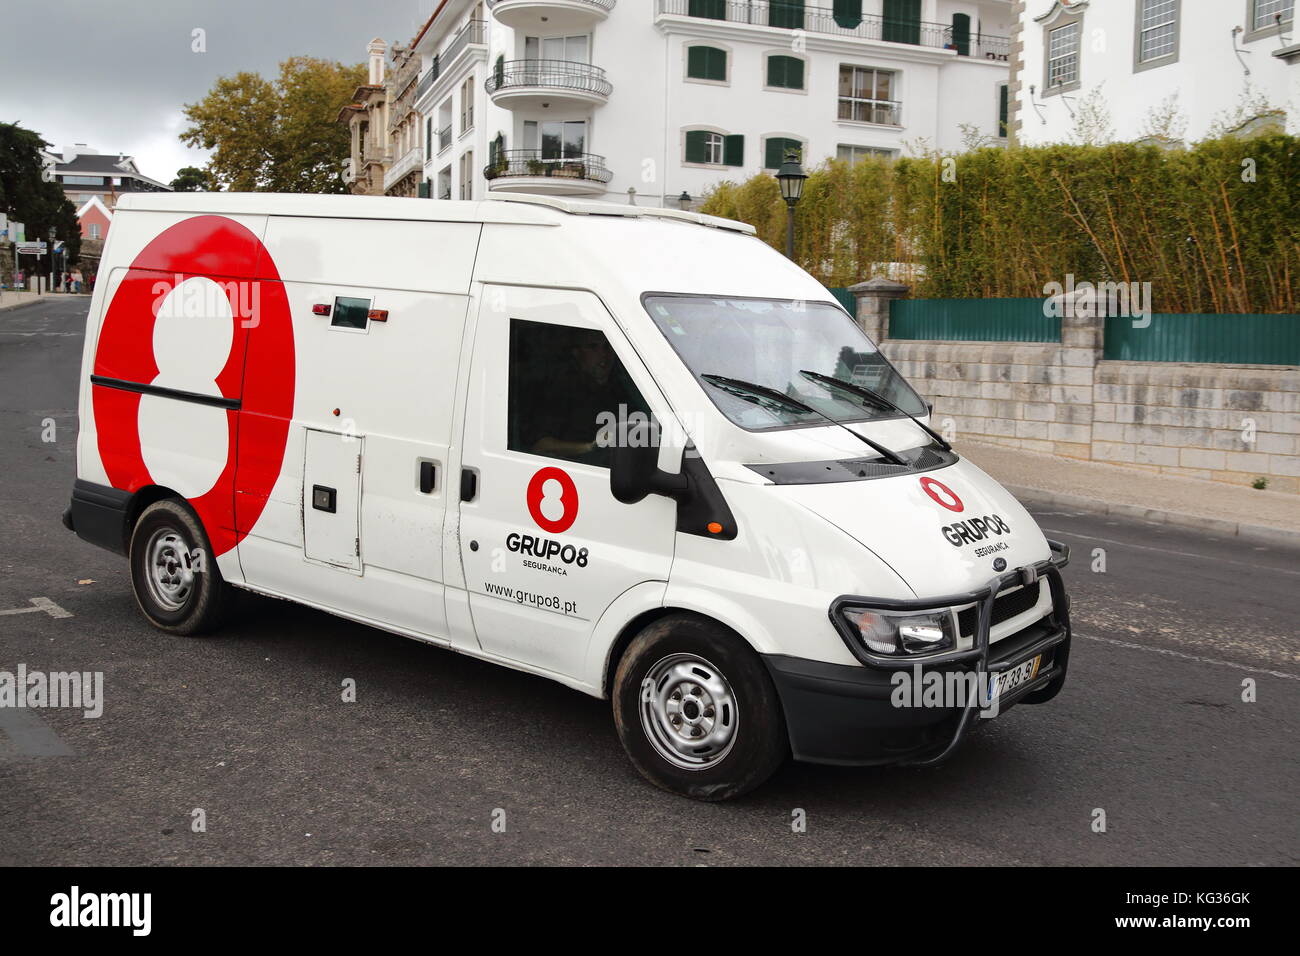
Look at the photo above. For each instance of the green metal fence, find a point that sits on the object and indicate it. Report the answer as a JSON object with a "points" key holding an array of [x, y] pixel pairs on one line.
{"points": [[973, 320], [1223, 339], [846, 299]]}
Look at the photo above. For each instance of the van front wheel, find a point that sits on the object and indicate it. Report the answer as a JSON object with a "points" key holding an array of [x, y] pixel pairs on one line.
{"points": [[175, 578], [696, 710]]}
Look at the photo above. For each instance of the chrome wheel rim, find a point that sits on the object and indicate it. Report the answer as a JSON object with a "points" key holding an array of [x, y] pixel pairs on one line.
{"points": [[169, 571], [688, 711]]}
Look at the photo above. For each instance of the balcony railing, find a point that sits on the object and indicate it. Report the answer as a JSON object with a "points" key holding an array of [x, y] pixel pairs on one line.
{"points": [[412, 159], [444, 137], [548, 74], [881, 112], [814, 19], [473, 32], [531, 162]]}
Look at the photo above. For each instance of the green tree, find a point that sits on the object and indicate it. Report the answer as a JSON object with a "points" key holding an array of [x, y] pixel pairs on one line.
{"points": [[191, 179], [280, 136], [26, 197]]}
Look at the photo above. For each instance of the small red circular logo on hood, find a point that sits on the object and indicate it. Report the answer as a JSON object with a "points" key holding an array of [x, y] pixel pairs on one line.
{"points": [[941, 494]]}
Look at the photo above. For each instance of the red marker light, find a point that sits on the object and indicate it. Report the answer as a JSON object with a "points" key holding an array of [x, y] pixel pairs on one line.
{"points": [[321, 309], [378, 315]]}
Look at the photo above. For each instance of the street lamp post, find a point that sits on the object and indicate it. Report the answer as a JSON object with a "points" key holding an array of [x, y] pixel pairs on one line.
{"points": [[791, 177], [52, 233], [684, 201]]}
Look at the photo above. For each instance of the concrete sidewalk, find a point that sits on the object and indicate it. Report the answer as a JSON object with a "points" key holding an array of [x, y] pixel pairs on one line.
{"points": [[1270, 517]]}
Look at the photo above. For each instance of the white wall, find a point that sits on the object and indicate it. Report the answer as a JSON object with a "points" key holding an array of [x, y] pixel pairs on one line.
{"points": [[1208, 78]]}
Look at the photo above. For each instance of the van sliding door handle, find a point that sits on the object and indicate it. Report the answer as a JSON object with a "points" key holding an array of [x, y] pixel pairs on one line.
{"points": [[428, 477], [468, 485]]}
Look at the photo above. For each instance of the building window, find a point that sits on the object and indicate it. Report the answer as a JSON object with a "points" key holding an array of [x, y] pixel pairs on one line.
{"points": [[714, 149], [1264, 13], [707, 9], [785, 72], [444, 183], [1004, 106], [706, 63], [847, 13], [83, 181], [775, 148], [94, 230], [856, 154], [576, 49], [556, 139], [866, 96], [785, 13], [959, 36], [1157, 30], [902, 21], [428, 137], [1063, 56], [467, 175], [467, 106]]}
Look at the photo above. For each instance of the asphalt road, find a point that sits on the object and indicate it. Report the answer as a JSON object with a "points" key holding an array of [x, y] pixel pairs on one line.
{"points": [[249, 726]]}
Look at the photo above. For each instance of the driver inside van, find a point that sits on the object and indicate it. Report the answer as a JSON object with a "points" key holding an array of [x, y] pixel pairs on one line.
{"points": [[590, 384]]}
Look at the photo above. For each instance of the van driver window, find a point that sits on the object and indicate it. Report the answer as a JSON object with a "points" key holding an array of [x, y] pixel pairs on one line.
{"points": [[566, 388]]}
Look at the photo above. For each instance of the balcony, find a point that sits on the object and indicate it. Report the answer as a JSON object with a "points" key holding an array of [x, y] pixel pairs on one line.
{"points": [[412, 159], [774, 14], [526, 171], [561, 15], [473, 33], [876, 112], [524, 84]]}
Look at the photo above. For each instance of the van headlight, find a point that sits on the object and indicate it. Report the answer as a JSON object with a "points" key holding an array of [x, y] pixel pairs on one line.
{"points": [[903, 633]]}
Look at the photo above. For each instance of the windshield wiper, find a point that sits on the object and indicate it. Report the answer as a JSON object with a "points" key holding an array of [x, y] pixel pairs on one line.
{"points": [[750, 391], [880, 400]]}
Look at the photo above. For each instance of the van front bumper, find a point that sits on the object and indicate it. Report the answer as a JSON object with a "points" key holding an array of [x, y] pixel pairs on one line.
{"points": [[846, 714]]}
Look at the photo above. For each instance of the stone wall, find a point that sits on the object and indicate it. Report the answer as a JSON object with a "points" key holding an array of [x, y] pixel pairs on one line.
{"points": [[1233, 423]]}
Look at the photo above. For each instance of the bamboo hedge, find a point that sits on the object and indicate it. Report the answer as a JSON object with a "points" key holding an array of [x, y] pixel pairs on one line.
{"points": [[1213, 228]]}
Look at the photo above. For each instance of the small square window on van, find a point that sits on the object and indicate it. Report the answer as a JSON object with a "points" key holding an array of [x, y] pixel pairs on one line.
{"points": [[350, 313]]}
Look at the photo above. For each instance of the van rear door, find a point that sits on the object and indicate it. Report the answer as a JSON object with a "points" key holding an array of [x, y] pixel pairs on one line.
{"points": [[544, 545]]}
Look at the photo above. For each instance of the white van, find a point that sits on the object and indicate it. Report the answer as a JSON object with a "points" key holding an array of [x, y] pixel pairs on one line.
{"points": [[632, 450]]}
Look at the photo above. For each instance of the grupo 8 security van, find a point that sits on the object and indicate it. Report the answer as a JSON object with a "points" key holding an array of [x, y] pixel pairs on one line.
{"points": [[633, 450]]}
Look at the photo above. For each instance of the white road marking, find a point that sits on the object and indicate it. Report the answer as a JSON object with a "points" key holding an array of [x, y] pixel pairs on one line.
{"points": [[39, 604], [1189, 657], [1182, 554]]}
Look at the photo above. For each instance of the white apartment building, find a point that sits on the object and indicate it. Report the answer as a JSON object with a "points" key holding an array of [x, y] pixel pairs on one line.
{"points": [[596, 98], [1206, 63]]}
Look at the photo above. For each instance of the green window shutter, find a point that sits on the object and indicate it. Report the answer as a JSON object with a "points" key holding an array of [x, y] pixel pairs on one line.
{"points": [[706, 63], [424, 190], [708, 9], [733, 151], [847, 13], [786, 13], [775, 148], [785, 71], [961, 33], [1004, 97], [902, 21], [697, 149]]}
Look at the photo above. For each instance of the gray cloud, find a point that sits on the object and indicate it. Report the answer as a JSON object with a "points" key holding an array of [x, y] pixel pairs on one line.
{"points": [[114, 74]]}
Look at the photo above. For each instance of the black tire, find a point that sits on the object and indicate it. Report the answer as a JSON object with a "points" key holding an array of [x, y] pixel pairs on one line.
{"points": [[164, 543], [688, 655]]}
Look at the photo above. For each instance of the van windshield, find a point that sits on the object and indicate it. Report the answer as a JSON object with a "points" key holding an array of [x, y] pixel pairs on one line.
{"points": [[770, 342]]}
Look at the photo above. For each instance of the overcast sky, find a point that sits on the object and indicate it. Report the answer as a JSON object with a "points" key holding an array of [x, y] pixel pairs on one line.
{"points": [[114, 74]]}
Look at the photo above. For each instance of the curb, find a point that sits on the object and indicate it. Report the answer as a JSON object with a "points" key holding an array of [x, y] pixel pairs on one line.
{"points": [[1233, 529], [6, 306]]}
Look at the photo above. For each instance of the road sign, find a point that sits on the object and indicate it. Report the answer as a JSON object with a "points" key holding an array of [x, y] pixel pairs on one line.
{"points": [[32, 248]]}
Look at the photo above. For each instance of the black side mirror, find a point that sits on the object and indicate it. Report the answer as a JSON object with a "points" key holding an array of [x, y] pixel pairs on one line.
{"points": [[634, 472]]}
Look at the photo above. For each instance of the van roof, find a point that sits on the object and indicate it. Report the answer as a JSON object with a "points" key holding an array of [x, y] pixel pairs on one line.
{"points": [[518, 209]]}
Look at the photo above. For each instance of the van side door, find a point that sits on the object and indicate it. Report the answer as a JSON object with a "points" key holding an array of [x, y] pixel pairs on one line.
{"points": [[544, 545]]}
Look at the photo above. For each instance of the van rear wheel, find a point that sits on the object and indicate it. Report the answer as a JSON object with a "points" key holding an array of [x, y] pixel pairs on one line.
{"points": [[175, 578], [696, 710]]}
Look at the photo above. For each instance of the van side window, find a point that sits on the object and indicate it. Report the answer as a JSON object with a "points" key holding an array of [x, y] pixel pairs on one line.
{"points": [[350, 313], [566, 386]]}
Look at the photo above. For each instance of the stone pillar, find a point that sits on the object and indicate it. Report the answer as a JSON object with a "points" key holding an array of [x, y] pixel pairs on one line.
{"points": [[873, 298]]}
